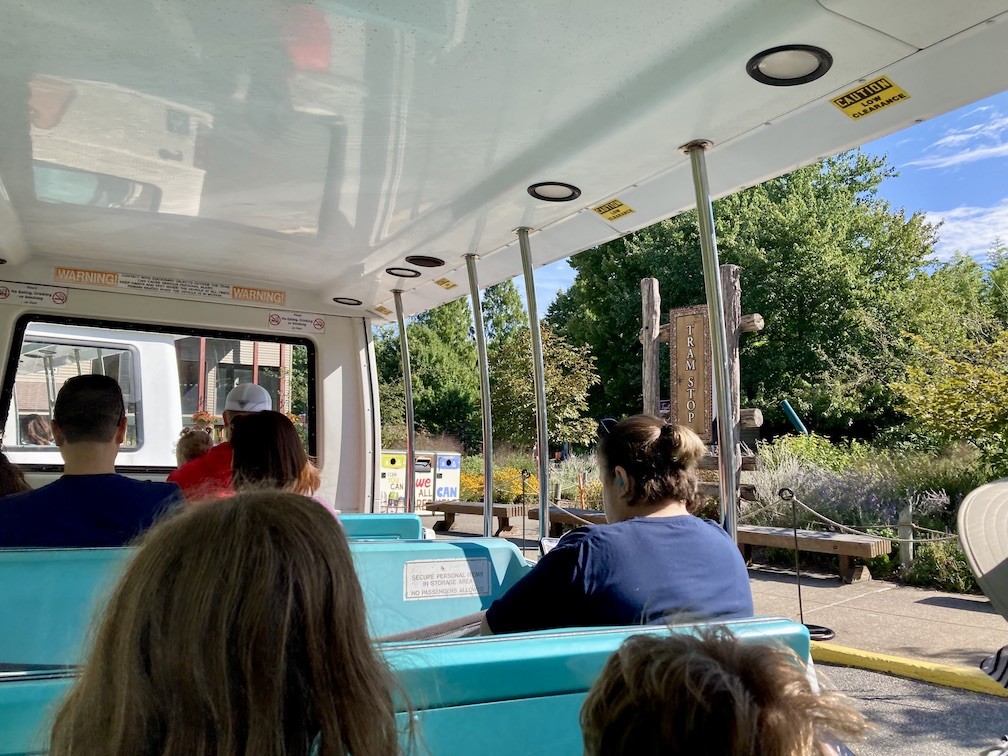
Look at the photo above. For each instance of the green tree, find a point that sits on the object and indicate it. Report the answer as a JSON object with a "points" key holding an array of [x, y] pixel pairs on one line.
{"points": [[954, 398], [840, 277], [453, 324], [299, 379], [503, 312], [445, 386], [570, 374]]}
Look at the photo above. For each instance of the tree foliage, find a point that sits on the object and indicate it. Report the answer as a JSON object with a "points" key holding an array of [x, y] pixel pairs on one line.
{"points": [[570, 373], [840, 277], [503, 312]]}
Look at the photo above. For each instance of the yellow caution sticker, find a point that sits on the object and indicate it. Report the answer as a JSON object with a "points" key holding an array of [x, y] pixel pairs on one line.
{"points": [[383, 310], [613, 210], [446, 284], [870, 98]]}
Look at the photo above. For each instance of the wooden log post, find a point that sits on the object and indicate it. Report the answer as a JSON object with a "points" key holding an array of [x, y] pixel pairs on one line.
{"points": [[904, 531], [651, 319]]}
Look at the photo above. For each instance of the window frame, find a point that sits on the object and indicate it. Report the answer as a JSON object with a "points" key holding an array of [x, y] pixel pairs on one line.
{"points": [[21, 325]]}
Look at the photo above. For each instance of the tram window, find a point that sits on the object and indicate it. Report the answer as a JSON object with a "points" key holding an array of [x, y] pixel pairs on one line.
{"points": [[60, 184], [45, 364], [148, 365]]}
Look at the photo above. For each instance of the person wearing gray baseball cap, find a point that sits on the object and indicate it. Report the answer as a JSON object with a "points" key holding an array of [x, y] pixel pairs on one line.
{"points": [[210, 474], [983, 532]]}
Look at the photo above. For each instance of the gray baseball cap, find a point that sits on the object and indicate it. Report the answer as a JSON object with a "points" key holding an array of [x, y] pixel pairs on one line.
{"points": [[983, 532]]}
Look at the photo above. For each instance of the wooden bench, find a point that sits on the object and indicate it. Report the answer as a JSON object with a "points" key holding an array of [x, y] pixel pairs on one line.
{"points": [[560, 516], [503, 513], [844, 545]]}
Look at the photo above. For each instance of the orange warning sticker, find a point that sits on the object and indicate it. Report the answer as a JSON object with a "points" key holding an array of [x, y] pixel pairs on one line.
{"points": [[84, 276], [383, 310], [446, 283]]}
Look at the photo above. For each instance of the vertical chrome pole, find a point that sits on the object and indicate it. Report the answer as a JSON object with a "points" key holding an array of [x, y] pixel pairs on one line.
{"points": [[484, 369], [539, 378], [727, 464], [408, 384]]}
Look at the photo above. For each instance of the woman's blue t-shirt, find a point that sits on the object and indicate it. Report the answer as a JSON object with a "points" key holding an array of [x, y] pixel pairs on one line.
{"points": [[647, 570]]}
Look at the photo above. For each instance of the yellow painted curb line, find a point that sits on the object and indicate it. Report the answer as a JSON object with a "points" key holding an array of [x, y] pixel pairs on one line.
{"points": [[916, 669]]}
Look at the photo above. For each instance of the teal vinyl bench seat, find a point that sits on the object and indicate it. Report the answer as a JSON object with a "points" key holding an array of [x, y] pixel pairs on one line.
{"points": [[382, 527], [506, 695], [49, 596]]}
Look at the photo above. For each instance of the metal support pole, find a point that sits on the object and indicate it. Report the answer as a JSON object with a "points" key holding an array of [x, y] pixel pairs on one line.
{"points": [[484, 369], [539, 378], [410, 493], [728, 466]]}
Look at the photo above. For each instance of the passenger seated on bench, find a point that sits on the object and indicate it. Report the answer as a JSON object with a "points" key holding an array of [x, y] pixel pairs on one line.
{"points": [[237, 628], [210, 474], [711, 694], [267, 453], [654, 558], [193, 442], [90, 505]]}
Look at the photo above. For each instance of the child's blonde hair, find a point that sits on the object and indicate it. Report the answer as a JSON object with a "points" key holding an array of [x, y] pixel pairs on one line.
{"points": [[193, 443], [710, 693]]}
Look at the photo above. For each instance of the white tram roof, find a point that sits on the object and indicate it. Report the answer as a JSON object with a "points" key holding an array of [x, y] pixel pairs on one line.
{"points": [[310, 147]]}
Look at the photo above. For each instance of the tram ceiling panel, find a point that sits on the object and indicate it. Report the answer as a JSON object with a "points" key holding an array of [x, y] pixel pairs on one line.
{"points": [[321, 145]]}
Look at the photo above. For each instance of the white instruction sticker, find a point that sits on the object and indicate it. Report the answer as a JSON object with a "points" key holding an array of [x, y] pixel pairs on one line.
{"points": [[446, 578], [32, 294], [301, 322]]}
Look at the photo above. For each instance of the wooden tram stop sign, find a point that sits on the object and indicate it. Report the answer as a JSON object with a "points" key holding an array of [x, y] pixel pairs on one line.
{"points": [[690, 401]]}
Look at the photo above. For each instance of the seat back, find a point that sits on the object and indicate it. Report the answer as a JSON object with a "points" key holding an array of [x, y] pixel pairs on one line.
{"points": [[523, 693], [382, 527], [49, 596], [515, 694], [411, 584]]}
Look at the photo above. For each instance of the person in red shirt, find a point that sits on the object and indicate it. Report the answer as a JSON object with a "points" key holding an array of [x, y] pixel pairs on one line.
{"points": [[210, 474]]}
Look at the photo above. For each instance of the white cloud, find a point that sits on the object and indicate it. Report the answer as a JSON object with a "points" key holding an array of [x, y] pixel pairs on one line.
{"points": [[970, 230], [981, 141], [964, 156]]}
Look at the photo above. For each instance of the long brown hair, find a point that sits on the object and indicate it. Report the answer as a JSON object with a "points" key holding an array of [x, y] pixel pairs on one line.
{"points": [[709, 694], [12, 480], [238, 628], [268, 452], [661, 458]]}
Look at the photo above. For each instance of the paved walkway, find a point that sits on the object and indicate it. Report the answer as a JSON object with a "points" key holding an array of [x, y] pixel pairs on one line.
{"points": [[876, 616]]}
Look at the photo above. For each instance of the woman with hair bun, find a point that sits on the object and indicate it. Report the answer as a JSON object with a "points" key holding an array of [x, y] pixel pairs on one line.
{"points": [[653, 560]]}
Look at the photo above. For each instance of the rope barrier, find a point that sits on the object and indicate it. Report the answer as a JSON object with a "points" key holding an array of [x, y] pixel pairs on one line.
{"points": [[854, 531]]}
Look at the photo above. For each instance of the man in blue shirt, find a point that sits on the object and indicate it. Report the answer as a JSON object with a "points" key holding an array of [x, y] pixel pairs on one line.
{"points": [[90, 505]]}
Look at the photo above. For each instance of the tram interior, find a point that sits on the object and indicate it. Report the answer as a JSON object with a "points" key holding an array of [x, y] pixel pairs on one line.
{"points": [[296, 173]]}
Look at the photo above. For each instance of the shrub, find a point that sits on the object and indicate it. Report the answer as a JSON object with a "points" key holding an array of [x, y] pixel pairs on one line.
{"points": [[507, 485], [942, 565]]}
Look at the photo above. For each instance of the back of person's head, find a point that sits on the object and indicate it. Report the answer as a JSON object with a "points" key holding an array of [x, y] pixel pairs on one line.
{"points": [[193, 442], [12, 480], [268, 453], [709, 694], [660, 457], [36, 430], [238, 627], [247, 397], [89, 408]]}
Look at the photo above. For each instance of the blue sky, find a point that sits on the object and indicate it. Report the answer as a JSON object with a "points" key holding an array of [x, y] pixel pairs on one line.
{"points": [[954, 168]]}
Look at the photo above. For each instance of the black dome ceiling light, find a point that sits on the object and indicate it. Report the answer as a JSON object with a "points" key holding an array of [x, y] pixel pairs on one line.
{"points": [[349, 301], [403, 272], [554, 191], [425, 261], [789, 65]]}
